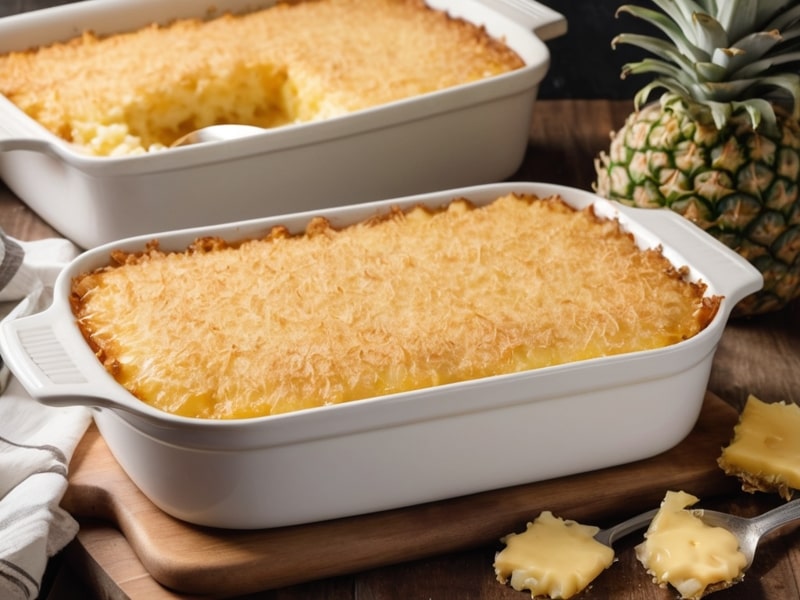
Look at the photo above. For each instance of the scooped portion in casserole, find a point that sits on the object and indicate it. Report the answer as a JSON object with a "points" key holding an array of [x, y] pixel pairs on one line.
{"points": [[291, 63], [399, 302]]}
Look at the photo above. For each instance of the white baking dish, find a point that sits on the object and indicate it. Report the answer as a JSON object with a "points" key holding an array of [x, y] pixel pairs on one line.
{"points": [[402, 449], [470, 134]]}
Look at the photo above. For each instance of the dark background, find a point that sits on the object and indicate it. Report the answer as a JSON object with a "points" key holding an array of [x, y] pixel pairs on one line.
{"points": [[583, 65]]}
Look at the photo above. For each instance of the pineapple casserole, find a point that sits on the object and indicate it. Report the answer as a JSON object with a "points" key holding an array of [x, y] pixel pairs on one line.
{"points": [[295, 62], [721, 146], [401, 302]]}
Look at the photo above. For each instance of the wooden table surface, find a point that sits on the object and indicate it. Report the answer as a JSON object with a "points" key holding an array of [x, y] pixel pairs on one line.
{"points": [[759, 355]]}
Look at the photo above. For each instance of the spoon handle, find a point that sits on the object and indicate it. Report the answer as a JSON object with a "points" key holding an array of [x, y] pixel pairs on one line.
{"points": [[776, 517], [610, 535]]}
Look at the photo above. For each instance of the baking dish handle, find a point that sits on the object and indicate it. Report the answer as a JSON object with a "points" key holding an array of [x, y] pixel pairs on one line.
{"points": [[34, 350], [542, 20], [8, 143], [15, 134], [733, 275]]}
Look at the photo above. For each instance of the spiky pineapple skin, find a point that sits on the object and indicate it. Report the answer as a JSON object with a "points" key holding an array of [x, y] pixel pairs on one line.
{"points": [[741, 186]]}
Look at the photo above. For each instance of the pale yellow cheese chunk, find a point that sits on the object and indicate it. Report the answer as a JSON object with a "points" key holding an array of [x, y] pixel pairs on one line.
{"points": [[765, 451], [553, 557], [682, 551]]}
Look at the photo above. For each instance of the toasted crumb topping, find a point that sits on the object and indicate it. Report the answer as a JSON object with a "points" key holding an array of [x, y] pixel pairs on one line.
{"points": [[404, 302]]}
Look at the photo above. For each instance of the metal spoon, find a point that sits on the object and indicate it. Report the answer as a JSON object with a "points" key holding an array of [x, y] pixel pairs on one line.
{"points": [[216, 133], [608, 536], [750, 531]]}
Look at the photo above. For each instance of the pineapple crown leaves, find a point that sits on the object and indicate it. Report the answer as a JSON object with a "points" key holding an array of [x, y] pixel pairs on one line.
{"points": [[721, 56]]}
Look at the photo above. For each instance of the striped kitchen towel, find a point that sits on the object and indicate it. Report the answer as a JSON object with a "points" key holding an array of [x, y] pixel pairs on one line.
{"points": [[36, 441]]}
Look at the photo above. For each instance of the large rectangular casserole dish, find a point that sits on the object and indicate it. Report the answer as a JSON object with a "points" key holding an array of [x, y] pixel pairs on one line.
{"points": [[402, 449], [469, 134]]}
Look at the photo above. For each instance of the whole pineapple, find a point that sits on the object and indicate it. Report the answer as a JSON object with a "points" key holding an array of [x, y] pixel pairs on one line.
{"points": [[722, 144]]}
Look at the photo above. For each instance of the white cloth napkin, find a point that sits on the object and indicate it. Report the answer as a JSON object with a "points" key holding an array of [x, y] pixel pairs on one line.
{"points": [[36, 441]]}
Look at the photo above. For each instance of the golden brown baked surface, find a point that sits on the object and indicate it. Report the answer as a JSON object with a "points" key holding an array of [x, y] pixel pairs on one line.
{"points": [[295, 62], [409, 301]]}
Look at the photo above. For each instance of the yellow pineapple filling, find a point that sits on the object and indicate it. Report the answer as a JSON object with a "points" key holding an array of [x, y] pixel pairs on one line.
{"points": [[255, 94], [682, 551], [553, 557], [765, 451]]}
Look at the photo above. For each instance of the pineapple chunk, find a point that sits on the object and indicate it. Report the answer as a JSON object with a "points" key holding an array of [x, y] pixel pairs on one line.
{"points": [[765, 451], [682, 551], [552, 557]]}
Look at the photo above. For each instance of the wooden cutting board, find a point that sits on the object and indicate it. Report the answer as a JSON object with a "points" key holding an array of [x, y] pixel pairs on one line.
{"points": [[176, 554]]}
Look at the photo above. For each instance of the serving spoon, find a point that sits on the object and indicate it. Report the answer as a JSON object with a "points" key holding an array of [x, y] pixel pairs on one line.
{"points": [[216, 133]]}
